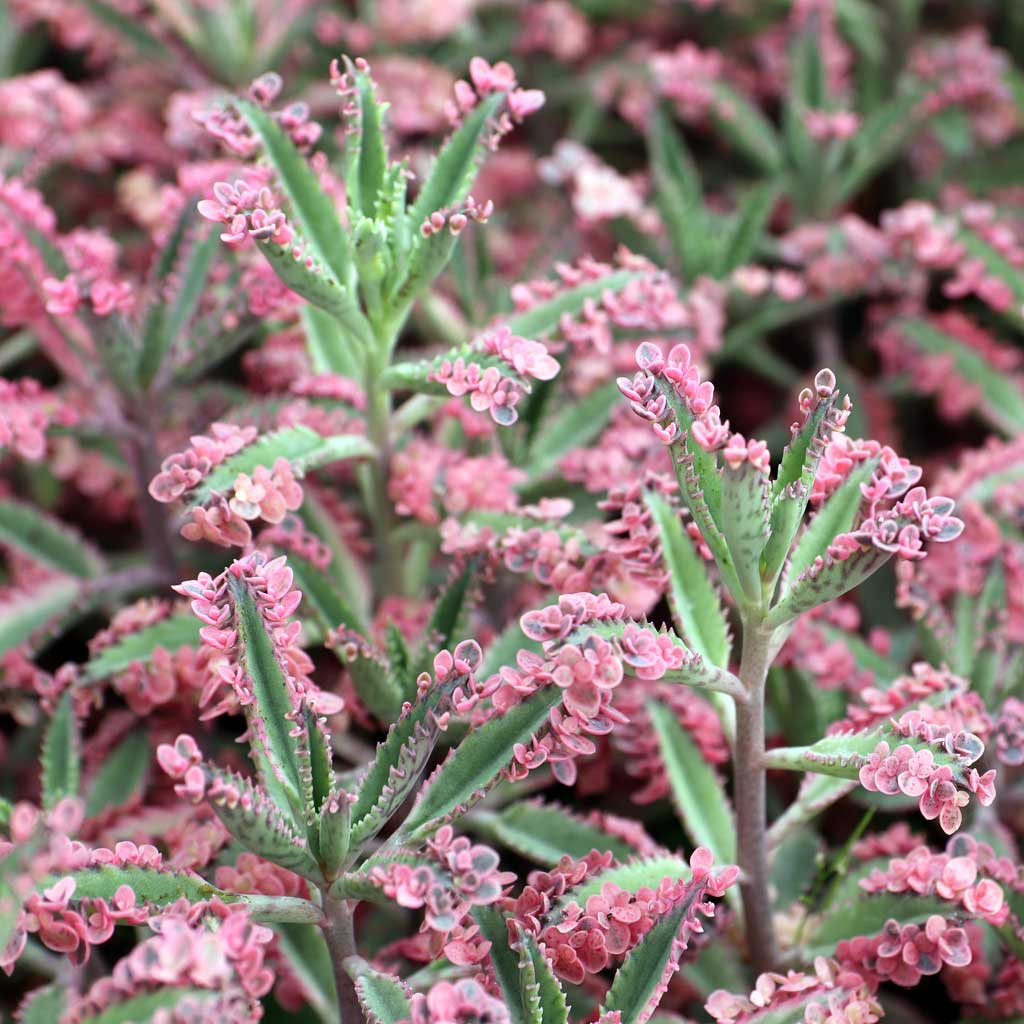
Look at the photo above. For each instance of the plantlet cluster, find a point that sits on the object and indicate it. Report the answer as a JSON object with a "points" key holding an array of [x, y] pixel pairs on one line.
{"points": [[522, 526]]}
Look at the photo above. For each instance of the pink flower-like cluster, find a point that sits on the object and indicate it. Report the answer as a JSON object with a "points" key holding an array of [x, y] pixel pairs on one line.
{"points": [[826, 125], [252, 874], [953, 878], [587, 673], [557, 558], [878, 706], [425, 474], [486, 79], [453, 674], [270, 585], [183, 471], [488, 389], [634, 535], [61, 920], [557, 621], [268, 494], [738, 450], [913, 771], [105, 294], [460, 875], [584, 939], [832, 995], [648, 398], [455, 218], [189, 954], [451, 1001], [27, 411], [903, 954], [247, 211], [903, 529], [649, 301], [893, 477], [232, 130], [937, 373]]}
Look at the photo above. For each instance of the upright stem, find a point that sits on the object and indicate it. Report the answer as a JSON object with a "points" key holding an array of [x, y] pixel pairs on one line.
{"points": [[751, 809], [157, 528], [378, 415], [341, 944]]}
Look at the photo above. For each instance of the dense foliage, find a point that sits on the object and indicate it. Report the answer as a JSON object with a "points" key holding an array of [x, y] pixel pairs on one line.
{"points": [[397, 624]]}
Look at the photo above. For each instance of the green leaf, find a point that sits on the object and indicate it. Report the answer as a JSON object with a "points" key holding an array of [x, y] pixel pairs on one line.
{"points": [[44, 1005], [837, 515], [746, 128], [47, 540], [448, 619], [321, 598], [746, 511], [696, 605], [311, 207], [303, 448], [414, 376], [678, 195], [158, 887], [366, 154], [635, 989], [304, 949], [637, 874], [317, 285], [701, 803], [274, 749], [479, 759], [122, 775], [748, 226], [61, 756], [329, 349], [505, 962], [155, 886], [1002, 400], [544, 833], [165, 319], [129, 29], [866, 915], [27, 612], [452, 175], [882, 136], [395, 770], [171, 634], [262, 827], [383, 997], [841, 755], [143, 1008], [545, 317], [575, 425], [543, 994]]}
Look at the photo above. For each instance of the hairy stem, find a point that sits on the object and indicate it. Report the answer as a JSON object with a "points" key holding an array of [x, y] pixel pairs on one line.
{"points": [[341, 943], [378, 412], [751, 810], [157, 529]]}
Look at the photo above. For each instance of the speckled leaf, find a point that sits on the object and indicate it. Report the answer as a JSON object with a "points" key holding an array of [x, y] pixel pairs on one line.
{"points": [[61, 756], [696, 604]]}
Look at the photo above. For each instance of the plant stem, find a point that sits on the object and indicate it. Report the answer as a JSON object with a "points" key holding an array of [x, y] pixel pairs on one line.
{"points": [[751, 809], [341, 943], [378, 415], [157, 529]]}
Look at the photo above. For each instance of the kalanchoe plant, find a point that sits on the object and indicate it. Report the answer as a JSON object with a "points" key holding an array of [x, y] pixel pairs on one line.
{"points": [[393, 627]]}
